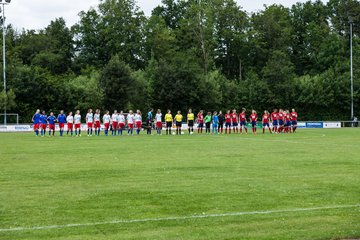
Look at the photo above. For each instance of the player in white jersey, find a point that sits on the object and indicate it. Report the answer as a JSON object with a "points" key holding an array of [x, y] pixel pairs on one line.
{"points": [[97, 122], [106, 121], [90, 122], [77, 122], [70, 123], [121, 119], [138, 121], [114, 120], [130, 122], [158, 119]]}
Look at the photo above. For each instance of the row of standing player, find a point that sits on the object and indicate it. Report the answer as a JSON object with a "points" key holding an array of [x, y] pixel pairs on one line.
{"points": [[116, 122], [282, 121]]}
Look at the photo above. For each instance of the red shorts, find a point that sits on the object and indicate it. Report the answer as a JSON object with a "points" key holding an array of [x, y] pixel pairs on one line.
{"points": [[36, 126], [138, 125], [97, 124], [121, 125], [70, 126], [158, 124], [52, 127], [43, 126], [61, 125], [90, 125], [77, 126], [115, 125], [130, 125], [107, 125]]}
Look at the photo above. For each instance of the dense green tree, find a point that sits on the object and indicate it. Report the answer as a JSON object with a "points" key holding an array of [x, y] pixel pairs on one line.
{"points": [[271, 31], [89, 40], [84, 91], [175, 82], [117, 27], [51, 48], [7, 100], [231, 34], [341, 12], [172, 11], [204, 54], [310, 30], [117, 82]]}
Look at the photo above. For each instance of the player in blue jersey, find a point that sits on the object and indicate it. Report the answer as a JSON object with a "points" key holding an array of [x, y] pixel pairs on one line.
{"points": [[215, 123], [43, 123], [36, 122], [61, 119], [51, 120]]}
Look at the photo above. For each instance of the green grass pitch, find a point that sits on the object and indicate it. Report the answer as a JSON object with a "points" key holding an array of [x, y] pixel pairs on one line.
{"points": [[293, 186]]}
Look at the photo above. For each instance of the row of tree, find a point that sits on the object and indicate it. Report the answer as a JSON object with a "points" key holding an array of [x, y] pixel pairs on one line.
{"points": [[207, 54]]}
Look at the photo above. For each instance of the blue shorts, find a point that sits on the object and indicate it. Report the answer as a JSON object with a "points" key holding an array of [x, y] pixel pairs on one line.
{"points": [[266, 125], [201, 125], [288, 124], [281, 122], [243, 123], [215, 126], [228, 124], [275, 123], [235, 124], [294, 123], [254, 124]]}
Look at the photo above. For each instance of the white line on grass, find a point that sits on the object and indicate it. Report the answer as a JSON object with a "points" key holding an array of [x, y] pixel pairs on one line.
{"points": [[216, 215]]}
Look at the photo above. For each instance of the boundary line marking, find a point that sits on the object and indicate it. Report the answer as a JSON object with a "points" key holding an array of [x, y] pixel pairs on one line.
{"points": [[218, 215]]}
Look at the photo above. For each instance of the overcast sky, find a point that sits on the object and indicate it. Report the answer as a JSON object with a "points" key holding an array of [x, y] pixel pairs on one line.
{"points": [[37, 14]]}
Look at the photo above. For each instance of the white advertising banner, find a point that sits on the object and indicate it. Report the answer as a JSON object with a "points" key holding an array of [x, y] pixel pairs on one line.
{"points": [[332, 124], [301, 124]]}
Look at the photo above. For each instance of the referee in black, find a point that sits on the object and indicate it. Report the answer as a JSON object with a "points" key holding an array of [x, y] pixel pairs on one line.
{"points": [[149, 120]]}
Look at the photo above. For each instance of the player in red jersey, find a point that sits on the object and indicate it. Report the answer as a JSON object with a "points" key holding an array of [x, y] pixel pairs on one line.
{"points": [[275, 121], [281, 118], [228, 122], [287, 121], [265, 121], [253, 120], [294, 117], [200, 121], [234, 119], [242, 119]]}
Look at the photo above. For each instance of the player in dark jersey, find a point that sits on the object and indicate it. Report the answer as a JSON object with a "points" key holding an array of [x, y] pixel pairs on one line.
{"points": [[221, 122]]}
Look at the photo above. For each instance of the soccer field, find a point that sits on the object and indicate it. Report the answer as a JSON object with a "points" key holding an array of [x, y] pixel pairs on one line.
{"points": [[291, 186]]}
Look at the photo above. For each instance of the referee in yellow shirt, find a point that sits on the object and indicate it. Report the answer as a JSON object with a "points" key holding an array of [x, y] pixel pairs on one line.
{"points": [[178, 120], [169, 121], [190, 121]]}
